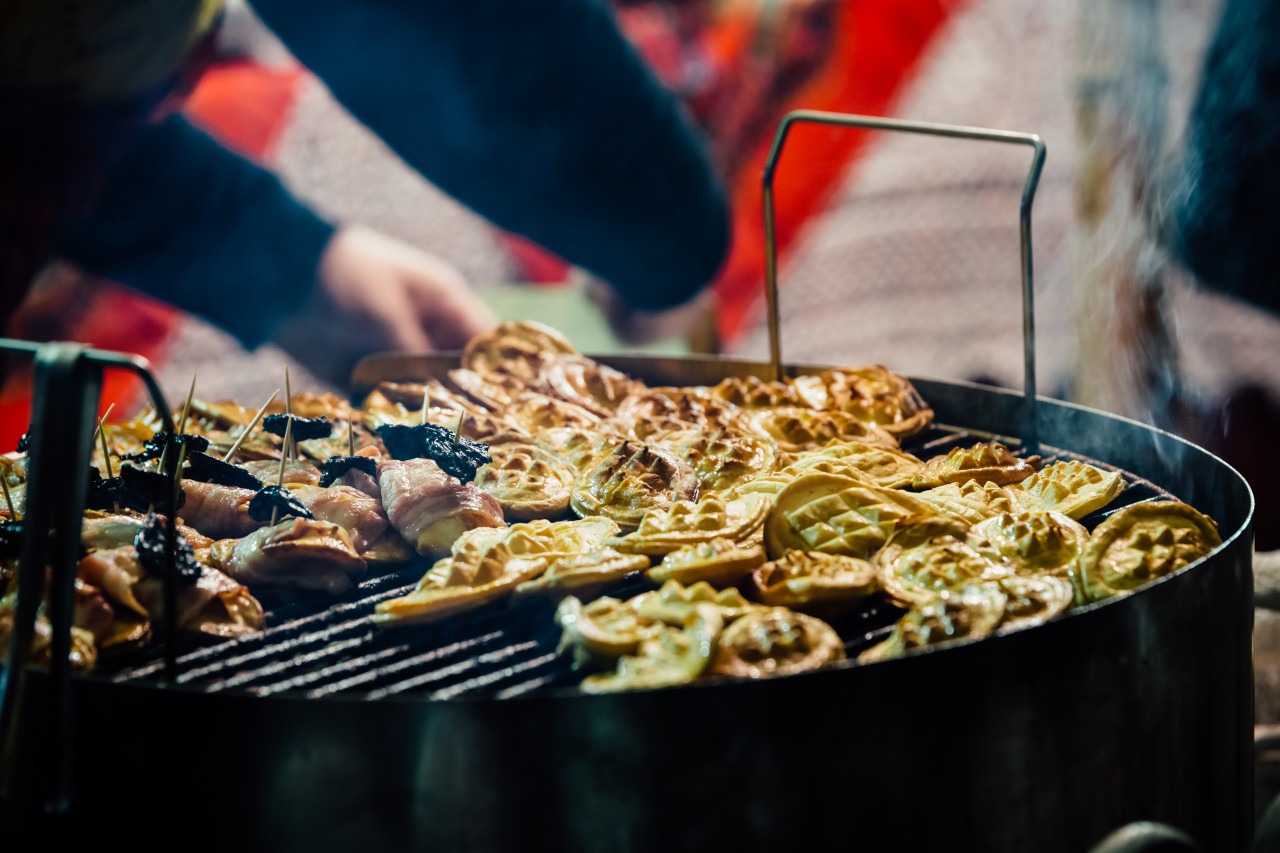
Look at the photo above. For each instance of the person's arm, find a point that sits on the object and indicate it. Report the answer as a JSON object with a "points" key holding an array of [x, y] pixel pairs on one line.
{"points": [[538, 115], [182, 218], [1227, 216], [186, 220]]}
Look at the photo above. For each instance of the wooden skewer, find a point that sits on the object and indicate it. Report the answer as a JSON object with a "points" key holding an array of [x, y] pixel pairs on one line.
{"points": [[457, 431], [288, 434], [8, 499], [248, 429], [351, 438], [425, 396]]}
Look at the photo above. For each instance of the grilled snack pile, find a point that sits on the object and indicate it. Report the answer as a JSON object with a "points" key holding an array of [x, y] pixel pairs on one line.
{"points": [[758, 509]]}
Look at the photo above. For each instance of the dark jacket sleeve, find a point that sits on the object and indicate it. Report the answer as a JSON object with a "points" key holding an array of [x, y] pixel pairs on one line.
{"points": [[538, 115], [186, 220], [1228, 217]]}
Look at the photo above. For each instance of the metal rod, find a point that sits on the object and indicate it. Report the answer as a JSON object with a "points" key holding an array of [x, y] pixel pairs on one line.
{"points": [[66, 386], [1030, 430]]}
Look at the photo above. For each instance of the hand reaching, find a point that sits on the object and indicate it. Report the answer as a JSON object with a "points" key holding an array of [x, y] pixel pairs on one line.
{"points": [[375, 293]]}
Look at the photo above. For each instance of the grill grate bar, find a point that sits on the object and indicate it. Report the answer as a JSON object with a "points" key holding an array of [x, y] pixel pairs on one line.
{"points": [[364, 663], [526, 687], [246, 678], [293, 644], [494, 677], [270, 636], [364, 678], [450, 671]]}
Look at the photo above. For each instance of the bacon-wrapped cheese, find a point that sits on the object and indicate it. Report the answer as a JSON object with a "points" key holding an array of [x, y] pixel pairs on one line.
{"points": [[431, 509]]}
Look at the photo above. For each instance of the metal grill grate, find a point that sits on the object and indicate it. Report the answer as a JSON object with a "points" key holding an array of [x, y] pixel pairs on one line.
{"points": [[318, 646]]}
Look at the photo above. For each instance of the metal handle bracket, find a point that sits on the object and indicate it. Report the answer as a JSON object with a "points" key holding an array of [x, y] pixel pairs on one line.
{"points": [[1030, 430]]}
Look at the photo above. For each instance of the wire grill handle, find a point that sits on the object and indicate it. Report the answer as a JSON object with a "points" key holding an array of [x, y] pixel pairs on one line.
{"points": [[1030, 430], [36, 744]]}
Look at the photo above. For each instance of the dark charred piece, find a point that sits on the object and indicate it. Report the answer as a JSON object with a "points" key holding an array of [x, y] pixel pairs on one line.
{"points": [[24, 443], [335, 466], [456, 455], [303, 428], [272, 497], [151, 541], [209, 469], [10, 541], [144, 489], [153, 448]]}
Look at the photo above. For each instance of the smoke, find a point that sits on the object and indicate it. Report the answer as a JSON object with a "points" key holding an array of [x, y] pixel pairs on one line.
{"points": [[1127, 360]]}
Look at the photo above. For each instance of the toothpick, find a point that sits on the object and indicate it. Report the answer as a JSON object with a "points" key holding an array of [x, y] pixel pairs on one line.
{"points": [[288, 413], [177, 476], [351, 438], [425, 397], [249, 428], [288, 434], [186, 407], [457, 431], [106, 453], [101, 433], [13, 513], [182, 422]]}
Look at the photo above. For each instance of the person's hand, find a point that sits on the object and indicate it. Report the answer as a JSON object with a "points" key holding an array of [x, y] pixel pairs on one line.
{"points": [[694, 321], [375, 293]]}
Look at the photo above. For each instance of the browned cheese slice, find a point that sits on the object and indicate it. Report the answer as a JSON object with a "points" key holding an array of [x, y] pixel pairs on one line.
{"points": [[652, 413], [796, 430], [804, 579], [925, 559], [527, 481], [1034, 541], [674, 602], [486, 564], [755, 393], [1072, 488], [514, 347], [985, 462], [1141, 543], [533, 412], [671, 657], [875, 395], [691, 522], [630, 481], [775, 641], [967, 612], [456, 584], [886, 467], [604, 629], [837, 515], [719, 562], [587, 383], [585, 570], [723, 458], [1034, 599], [971, 502], [581, 448]]}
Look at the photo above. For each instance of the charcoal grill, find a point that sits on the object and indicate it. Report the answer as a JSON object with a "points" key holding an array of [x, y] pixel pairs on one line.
{"points": [[469, 734]]}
